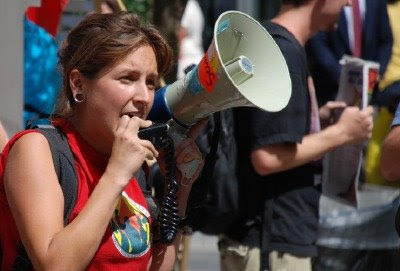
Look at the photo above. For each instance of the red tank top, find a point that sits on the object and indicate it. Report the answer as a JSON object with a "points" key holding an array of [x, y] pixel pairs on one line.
{"points": [[126, 244]]}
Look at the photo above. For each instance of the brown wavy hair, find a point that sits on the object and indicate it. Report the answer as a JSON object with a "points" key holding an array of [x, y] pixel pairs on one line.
{"points": [[100, 42]]}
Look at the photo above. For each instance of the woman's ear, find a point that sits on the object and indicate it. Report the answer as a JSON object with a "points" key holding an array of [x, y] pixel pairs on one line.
{"points": [[75, 82]]}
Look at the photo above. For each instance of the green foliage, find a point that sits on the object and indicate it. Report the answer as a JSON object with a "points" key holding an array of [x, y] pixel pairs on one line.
{"points": [[144, 8]]}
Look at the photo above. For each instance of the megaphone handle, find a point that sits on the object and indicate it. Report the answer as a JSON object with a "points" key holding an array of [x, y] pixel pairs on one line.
{"points": [[178, 134], [189, 169]]}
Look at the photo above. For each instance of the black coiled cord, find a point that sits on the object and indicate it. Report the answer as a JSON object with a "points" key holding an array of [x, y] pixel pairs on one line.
{"points": [[168, 215]]}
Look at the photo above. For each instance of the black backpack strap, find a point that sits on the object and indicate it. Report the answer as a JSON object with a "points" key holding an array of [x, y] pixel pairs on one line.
{"points": [[65, 168], [33, 122], [142, 177], [22, 261], [210, 160]]}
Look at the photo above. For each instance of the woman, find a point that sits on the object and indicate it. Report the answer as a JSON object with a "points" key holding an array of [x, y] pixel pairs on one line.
{"points": [[111, 66]]}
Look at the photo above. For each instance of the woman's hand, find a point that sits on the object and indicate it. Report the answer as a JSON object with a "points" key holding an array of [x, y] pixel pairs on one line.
{"points": [[129, 151]]}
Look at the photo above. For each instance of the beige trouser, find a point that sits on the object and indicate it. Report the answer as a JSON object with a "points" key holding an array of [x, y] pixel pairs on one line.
{"points": [[280, 261], [237, 257]]}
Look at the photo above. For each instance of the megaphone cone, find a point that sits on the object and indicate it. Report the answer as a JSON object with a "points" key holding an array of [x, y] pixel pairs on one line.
{"points": [[242, 67]]}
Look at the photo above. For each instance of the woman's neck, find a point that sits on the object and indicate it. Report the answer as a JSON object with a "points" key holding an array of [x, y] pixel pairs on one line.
{"points": [[94, 136]]}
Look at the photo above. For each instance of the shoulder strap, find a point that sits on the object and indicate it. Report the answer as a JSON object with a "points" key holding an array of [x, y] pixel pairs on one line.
{"points": [[64, 166]]}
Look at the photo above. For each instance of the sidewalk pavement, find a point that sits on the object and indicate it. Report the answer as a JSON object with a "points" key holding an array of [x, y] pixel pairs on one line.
{"points": [[204, 255]]}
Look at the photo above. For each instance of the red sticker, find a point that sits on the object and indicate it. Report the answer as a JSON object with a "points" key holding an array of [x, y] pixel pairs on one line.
{"points": [[208, 77]]}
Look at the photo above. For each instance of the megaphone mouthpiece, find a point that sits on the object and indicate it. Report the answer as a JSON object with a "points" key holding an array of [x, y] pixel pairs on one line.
{"points": [[239, 69]]}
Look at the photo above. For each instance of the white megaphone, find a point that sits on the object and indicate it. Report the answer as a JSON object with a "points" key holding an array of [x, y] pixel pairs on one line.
{"points": [[242, 67]]}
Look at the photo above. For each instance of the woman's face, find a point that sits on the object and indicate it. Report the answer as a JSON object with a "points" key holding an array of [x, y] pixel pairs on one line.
{"points": [[126, 89]]}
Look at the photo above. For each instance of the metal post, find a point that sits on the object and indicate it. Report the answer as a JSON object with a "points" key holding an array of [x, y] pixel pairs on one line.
{"points": [[11, 62]]}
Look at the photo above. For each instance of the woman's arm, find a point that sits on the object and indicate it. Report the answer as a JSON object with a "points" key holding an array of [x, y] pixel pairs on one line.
{"points": [[37, 202]]}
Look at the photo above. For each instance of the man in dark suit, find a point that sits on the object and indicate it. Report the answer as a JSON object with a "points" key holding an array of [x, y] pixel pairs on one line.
{"points": [[343, 243], [327, 48]]}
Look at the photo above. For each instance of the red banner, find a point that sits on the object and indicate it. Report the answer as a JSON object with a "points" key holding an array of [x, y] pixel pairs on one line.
{"points": [[47, 15]]}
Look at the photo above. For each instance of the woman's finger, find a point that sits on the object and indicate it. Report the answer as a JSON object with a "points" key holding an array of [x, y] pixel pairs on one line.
{"points": [[145, 123], [135, 123], [122, 123], [149, 146]]}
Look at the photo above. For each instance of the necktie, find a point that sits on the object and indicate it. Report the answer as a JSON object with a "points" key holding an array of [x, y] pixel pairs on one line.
{"points": [[357, 24]]}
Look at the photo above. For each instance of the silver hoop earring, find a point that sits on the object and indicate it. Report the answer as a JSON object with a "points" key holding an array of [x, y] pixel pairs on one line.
{"points": [[79, 97]]}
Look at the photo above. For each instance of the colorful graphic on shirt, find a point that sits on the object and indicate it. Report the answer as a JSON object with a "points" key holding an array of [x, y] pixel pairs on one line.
{"points": [[131, 228]]}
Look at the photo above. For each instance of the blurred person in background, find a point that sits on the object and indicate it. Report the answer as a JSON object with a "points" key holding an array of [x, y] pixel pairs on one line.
{"points": [[190, 37], [277, 153], [390, 159], [363, 238], [368, 37], [386, 99]]}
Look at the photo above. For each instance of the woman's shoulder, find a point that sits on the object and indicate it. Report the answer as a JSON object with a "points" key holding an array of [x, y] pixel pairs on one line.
{"points": [[29, 147], [27, 140]]}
